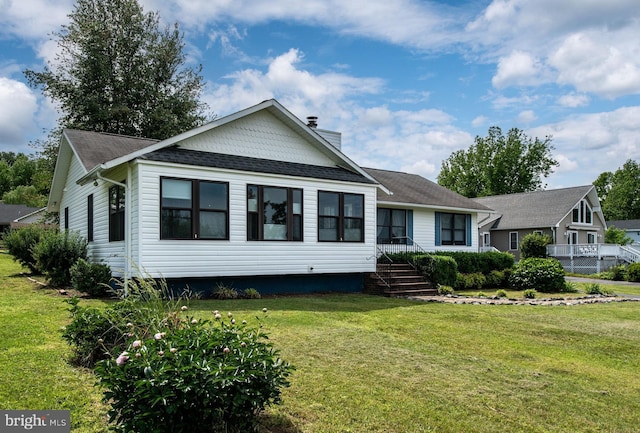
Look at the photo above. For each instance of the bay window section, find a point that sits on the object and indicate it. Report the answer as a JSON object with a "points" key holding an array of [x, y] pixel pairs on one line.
{"points": [[194, 209], [274, 213], [340, 217]]}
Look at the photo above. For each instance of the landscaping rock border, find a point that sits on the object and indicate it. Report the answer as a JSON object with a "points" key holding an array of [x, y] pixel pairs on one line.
{"points": [[455, 299]]}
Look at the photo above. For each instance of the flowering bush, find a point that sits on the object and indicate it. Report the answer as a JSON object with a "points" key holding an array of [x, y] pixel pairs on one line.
{"points": [[543, 275], [201, 376]]}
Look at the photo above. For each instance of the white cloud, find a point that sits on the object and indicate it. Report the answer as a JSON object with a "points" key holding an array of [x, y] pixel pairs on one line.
{"points": [[33, 19], [594, 143], [299, 90], [527, 116], [518, 69], [479, 121], [573, 100], [590, 64], [18, 106]]}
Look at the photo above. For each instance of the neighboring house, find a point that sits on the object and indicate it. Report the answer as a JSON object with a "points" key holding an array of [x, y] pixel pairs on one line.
{"points": [[10, 212], [418, 211], [36, 217], [254, 199], [568, 215], [631, 228]]}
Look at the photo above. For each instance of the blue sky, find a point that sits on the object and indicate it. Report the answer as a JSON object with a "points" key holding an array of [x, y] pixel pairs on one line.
{"points": [[406, 82]]}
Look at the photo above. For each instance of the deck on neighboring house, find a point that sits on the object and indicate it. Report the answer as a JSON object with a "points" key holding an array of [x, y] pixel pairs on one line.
{"points": [[592, 258]]}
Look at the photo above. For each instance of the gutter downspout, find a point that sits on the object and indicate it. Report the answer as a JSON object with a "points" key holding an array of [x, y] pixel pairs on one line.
{"points": [[127, 225]]}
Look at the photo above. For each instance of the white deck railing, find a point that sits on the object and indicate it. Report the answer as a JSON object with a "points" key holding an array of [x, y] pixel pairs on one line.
{"points": [[598, 251]]}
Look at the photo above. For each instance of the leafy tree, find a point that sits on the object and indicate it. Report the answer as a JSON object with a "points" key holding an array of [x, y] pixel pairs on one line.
{"points": [[117, 71], [619, 192], [614, 235], [499, 164], [25, 194]]}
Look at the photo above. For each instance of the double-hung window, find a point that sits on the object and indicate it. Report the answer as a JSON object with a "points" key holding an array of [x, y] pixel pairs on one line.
{"points": [[194, 209], [392, 226], [116, 213], [340, 217], [274, 213], [453, 229]]}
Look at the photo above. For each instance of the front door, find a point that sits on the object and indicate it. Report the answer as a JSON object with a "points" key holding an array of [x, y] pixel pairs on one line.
{"points": [[572, 237]]}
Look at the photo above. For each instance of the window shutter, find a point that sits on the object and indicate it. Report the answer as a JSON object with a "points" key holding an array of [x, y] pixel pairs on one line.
{"points": [[437, 229], [410, 227], [469, 230]]}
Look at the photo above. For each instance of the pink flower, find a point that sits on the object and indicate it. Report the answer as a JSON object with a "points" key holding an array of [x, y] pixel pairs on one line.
{"points": [[136, 344], [138, 354], [243, 344], [217, 316], [194, 321], [159, 335], [226, 350], [122, 359], [173, 350], [233, 321], [230, 314], [160, 353], [184, 308], [264, 310]]}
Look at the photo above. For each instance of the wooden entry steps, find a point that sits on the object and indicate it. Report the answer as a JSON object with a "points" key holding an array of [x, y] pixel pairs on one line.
{"points": [[403, 280]]}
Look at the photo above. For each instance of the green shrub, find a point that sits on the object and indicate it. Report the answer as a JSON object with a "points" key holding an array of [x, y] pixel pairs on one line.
{"points": [[501, 293], [251, 294], [224, 292], [569, 287], [199, 377], [56, 253], [445, 290], [437, 269], [530, 293], [20, 242], [496, 278], [96, 333], [481, 295], [90, 278], [633, 272], [470, 262], [534, 245], [596, 289], [475, 281], [618, 273], [544, 275]]}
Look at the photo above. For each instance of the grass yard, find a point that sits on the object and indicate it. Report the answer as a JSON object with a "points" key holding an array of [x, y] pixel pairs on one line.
{"points": [[373, 364]]}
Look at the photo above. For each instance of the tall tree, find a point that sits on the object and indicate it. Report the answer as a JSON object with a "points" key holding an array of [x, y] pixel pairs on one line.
{"points": [[619, 192], [498, 164], [117, 71]]}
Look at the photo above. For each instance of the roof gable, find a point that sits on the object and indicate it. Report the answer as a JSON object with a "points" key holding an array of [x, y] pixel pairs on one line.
{"points": [[406, 188], [534, 209]]}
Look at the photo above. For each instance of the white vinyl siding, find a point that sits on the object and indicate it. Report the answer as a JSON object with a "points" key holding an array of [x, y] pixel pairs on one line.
{"points": [[253, 136]]}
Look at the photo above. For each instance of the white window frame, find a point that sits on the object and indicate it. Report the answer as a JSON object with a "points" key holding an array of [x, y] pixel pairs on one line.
{"points": [[511, 241]]}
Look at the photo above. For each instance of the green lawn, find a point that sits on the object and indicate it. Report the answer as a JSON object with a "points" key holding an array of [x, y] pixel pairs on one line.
{"points": [[373, 364]]}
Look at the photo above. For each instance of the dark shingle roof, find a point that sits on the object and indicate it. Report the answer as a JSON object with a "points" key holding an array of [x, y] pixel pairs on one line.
{"points": [[11, 212], [534, 209], [94, 148], [177, 155], [625, 224], [414, 189]]}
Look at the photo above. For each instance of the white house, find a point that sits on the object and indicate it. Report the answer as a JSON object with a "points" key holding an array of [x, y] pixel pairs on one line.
{"points": [[254, 199]]}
